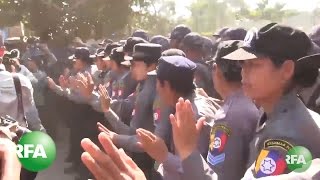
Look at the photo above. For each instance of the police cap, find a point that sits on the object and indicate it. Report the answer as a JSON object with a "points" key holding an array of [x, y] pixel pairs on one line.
{"points": [[147, 52], [179, 32]]}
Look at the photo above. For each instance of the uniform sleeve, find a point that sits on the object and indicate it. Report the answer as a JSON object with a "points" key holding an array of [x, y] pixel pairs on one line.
{"points": [[129, 143], [312, 173], [229, 144], [195, 167], [271, 158], [173, 164], [30, 110], [117, 124]]}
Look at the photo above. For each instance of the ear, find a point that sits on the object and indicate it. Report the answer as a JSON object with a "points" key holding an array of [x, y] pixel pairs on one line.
{"points": [[288, 69]]}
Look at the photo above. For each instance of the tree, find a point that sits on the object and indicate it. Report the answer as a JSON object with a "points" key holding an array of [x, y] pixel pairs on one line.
{"points": [[67, 17], [155, 16], [265, 11]]}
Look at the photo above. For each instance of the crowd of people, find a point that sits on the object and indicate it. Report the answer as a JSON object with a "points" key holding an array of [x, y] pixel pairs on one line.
{"points": [[185, 107]]}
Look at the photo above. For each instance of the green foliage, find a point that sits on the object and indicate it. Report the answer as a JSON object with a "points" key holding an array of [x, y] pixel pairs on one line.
{"points": [[67, 17], [265, 11]]}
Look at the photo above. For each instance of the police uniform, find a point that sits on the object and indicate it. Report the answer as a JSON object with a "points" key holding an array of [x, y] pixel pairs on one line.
{"points": [[73, 94], [232, 130], [290, 124], [143, 115], [123, 85], [203, 107], [203, 78], [100, 76]]}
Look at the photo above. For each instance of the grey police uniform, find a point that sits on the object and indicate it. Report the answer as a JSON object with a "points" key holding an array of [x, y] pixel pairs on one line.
{"points": [[277, 134], [143, 113], [231, 133], [74, 94], [203, 107], [290, 123]]}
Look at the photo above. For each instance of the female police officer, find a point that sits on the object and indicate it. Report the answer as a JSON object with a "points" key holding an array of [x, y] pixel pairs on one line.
{"points": [[275, 64]]}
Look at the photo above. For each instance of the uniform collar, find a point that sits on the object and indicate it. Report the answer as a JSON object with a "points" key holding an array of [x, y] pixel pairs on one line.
{"points": [[286, 102], [235, 94]]}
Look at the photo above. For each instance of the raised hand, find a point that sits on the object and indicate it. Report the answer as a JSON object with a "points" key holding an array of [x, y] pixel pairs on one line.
{"points": [[113, 164], [85, 84], [185, 129], [105, 99], [109, 133], [153, 145]]}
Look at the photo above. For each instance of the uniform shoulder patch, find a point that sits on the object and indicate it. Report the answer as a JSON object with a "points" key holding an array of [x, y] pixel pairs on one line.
{"points": [[278, 143], [270, 163], [271, 160], [218, 139]]}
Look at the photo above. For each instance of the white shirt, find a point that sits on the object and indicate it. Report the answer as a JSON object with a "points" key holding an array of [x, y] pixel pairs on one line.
{"points": [[9, 100]]}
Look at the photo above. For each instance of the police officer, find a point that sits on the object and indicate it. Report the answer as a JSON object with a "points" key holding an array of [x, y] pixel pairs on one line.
{"points": [[163, 41], [145, 59], [233, 34], [82, 63], [141, 34], [100, 75], [177, 35], [173, 52], [192, 45], [40, 89], [170, 88], [235, 124], [288, 70], [208, 47], [119, 89]]}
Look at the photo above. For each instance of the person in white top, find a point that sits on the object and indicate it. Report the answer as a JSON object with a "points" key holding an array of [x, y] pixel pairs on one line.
{"points": [[9, 100]]}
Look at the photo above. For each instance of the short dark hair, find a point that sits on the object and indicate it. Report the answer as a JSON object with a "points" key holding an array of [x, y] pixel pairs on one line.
{"points": [[231, 70], [183, 87], [303, 79]]}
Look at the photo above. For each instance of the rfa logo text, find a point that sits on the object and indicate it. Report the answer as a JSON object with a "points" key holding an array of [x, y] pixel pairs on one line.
{"points": [[27, 149], [295, 159]]}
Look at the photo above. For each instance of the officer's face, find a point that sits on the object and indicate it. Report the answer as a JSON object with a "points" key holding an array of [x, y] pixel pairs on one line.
{"points": [[114, 66], [78, 65], [100, 63], [139, 70], [165, 93], [262, 80]]}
